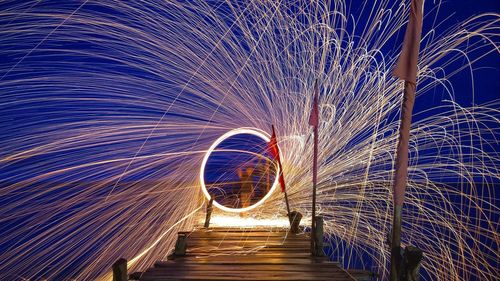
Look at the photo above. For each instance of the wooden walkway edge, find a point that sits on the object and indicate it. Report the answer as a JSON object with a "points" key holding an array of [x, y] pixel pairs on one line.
{"points": [[245, 254]]}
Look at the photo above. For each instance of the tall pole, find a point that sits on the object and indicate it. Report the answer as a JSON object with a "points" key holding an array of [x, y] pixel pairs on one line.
{"points": [[273, 148], [406, 69], [315, 178], [314, 121], [284, 189], [288, 209], [401, 175]]}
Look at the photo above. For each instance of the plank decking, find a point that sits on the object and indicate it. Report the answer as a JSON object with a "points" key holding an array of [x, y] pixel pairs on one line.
{"points": [[246, 254]]}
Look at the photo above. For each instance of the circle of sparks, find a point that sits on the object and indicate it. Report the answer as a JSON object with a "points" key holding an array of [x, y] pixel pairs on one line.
{"points": [[108, 107], [252, 131]]}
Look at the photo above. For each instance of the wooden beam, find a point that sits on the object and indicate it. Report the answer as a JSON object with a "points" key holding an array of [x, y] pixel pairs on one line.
{"points": [[396, 257], [412, 258], [120, 270], [181, 245], [209, 212], [295, 218], [318, 237]]}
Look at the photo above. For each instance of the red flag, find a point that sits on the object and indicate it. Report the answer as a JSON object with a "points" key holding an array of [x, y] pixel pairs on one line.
{"points": [[314, 117], [406, 69], [273, 149]]}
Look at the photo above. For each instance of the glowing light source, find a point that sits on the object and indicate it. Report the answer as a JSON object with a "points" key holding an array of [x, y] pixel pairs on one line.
{"points": [[118, 175], [251, 131], [249, 222]]}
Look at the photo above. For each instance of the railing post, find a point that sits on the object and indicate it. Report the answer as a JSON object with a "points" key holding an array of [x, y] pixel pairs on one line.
{"points": [[209, 212], [295, 218], [181, 245], [412, 258], [120, 270], [318, 237], [396, 255]]}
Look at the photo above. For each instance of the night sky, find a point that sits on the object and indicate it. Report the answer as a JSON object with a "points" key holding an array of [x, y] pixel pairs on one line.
{"points": [[485, 82]]}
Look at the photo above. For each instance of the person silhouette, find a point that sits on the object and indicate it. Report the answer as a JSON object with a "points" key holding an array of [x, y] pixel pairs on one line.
{"points": [[246, 189]]}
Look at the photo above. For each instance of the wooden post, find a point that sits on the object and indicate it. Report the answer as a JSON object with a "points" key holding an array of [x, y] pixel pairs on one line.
{"points": [[120, 270], [295, 218], [181, 245], [209, 212], [396, 257], [268, 177], [406, 69], [315, 178], [412, 258], [314, 121], [288, 209], [318, 237]]}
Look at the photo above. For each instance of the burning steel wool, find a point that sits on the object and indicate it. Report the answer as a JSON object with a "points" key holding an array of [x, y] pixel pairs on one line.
{"points": [[108, 109]]}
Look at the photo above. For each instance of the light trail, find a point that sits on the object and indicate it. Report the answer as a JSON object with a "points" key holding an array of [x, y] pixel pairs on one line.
{"points": [[76, 112], [250, 131]]}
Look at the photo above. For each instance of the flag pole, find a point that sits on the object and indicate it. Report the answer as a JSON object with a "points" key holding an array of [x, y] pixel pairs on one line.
{"points": [[315, 178], [406, 69], [314, 121], [286, 194], [275, 151], [288, 209]]}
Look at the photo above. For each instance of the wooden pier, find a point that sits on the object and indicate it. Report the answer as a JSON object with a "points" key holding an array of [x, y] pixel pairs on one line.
{"points": [[245, 254]]}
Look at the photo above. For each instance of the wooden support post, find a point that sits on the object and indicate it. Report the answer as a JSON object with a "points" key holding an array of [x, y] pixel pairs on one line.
{"points": [[315, 179], [396, 257], [318, 237], [181, 245], [209, 212], [288, 209], [412, 258], [295, 218], [120, 270]]}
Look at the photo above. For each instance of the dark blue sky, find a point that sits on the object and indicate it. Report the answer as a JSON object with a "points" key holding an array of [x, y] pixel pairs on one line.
{"points": [[486, 85], [486, 79], [487, 71]]}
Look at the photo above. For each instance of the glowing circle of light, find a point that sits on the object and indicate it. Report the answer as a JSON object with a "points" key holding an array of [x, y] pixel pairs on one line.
{"points": [[252, 131]]}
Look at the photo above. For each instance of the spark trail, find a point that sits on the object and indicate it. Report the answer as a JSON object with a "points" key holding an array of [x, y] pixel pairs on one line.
{"points": [[108, 107]]}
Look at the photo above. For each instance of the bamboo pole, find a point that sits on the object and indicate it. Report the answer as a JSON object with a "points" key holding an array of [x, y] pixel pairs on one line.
{"points": [[315, 178]]}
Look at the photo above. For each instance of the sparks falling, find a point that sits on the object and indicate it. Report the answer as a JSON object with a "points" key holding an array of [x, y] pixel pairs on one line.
{"points": [[108, 108]]}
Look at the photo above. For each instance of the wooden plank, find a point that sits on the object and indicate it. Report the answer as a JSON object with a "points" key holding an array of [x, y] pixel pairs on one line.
{"points": [[264, 240], [249, 239], [325, 267], [257, 235], [241, 230], [244, 234], [246, 245], [246, 274], [320, 267], [255, 253], [249, 243], [246, 254], [245, 250], [234, 278], [246, 240], [244, 260], [284, 246]]}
